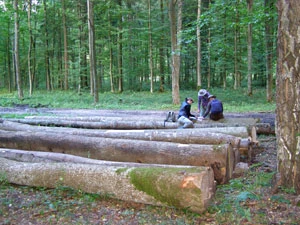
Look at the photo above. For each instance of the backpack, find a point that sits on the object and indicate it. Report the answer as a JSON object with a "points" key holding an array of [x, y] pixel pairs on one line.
{"points": [[216, 106], [171, 117]]}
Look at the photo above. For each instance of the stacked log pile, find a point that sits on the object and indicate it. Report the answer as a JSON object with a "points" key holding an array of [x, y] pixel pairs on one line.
{"points": [[134, 160]]}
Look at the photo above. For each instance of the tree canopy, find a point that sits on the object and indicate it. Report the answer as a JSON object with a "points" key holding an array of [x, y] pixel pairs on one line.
{"points": [[133, 44]]}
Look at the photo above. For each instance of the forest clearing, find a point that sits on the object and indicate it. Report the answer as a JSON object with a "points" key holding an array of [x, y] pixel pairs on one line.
{"points": [[249, 193]]}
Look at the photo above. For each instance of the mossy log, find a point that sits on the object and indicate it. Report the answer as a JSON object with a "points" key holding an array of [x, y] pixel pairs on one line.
{"points": [[189, 187], [184, 136], [220, 157]]}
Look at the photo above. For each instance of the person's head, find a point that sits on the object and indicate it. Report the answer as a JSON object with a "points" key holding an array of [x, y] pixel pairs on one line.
{"points": [[202, 92], [211, 97], [189, 100]]}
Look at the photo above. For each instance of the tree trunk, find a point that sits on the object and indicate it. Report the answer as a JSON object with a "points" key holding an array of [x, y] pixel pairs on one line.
{"points": [[249, 47], [47, 57], [175, 47], [66, 60], [269, 35], [16, 50], [199, 81], [92, 51], [161, 50], [120, 48], [221, 156], [150, 47], [29, 53], [180, 187], [288, 94]]}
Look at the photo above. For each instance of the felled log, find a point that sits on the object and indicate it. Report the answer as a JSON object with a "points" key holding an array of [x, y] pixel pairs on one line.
{"points": [[133, 124], [265, 128], [184, 136], [113, 124], [188, 187], [125, 150]]}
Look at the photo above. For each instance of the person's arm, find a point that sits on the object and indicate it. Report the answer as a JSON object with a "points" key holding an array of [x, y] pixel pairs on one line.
{"points": [[199, 103], [207, 110]]}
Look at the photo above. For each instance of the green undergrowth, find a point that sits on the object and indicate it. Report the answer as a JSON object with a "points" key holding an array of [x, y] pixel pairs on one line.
{"points": [[232, 200], [233, 100]]}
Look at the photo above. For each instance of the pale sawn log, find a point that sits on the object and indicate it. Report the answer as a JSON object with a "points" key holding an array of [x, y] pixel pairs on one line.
{"points": [[134, 124], [190, 187], [184, 136], [220, 157]]}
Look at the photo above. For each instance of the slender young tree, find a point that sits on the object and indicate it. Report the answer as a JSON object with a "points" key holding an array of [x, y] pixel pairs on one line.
{"points": [[47, 57], [16, 50], [269, 5], [249, 47], [66, 59], [199, 81], [150, 46], [288, 94], [30, 46], [161, 50], [120, 46]]}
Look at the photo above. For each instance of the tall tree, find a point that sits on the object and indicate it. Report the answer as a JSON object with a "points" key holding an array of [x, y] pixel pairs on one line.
{"points": [[161, 49], [120, 46], [199, 81], [47, 57], [66, 59], [249, 47], [92, 51], [30, 47], [176, 27], [16, 50], [288, 94], [150, 46], [269, 6]]}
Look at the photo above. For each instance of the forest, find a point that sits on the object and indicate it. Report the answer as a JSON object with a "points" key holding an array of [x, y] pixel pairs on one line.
{"points": [[147, 45]]}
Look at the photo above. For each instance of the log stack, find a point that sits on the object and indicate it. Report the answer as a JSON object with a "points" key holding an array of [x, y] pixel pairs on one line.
{"points": [[194, 159]]}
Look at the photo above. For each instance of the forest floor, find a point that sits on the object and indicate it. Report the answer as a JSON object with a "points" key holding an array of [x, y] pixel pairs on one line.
{"points": [[27, 205]]}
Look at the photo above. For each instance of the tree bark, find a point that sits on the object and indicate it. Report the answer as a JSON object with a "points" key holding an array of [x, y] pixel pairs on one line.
{"points": [[92, 51], [175, 46], [288, 94], [187, 136], [198, 68], [221, 156], [186, 187], [124, 123], [249, 48], [16, 51]]}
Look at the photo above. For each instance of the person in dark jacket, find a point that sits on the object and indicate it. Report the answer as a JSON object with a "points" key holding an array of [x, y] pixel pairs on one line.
{"points": [[185, 118], [214, 108], [202, 101]]}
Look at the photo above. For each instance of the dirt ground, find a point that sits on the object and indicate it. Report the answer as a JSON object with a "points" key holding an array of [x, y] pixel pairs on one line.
{"points": [[26, 205]]}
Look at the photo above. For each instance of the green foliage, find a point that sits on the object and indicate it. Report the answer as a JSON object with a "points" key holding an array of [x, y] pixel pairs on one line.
{"points": [[232, 198], [3, 179]]}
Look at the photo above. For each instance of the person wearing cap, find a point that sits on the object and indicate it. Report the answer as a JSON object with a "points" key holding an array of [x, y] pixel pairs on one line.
{"points": [[185, 118], [214, 108], [202, 101]]}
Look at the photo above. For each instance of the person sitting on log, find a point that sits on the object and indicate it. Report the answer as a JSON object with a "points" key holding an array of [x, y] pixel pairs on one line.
{"points": [[214, 108], [185, 118], [202, 102]]}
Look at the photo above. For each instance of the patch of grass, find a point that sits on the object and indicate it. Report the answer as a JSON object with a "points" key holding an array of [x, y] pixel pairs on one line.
{"points": [[232, 198], [233, 100]]}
